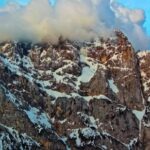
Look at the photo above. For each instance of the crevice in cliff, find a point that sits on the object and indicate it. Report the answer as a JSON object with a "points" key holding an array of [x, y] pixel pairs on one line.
{"points": [[140, 78]]}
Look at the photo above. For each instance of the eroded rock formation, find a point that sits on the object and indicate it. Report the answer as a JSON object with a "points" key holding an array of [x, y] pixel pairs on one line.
{"points": [[91, 95]]}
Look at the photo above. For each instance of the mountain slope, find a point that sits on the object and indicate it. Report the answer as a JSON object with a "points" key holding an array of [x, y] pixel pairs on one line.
{"points": [[74, 95]]}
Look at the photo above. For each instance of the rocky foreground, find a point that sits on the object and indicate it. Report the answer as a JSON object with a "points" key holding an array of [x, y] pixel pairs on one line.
{"points": [[74, 95]]}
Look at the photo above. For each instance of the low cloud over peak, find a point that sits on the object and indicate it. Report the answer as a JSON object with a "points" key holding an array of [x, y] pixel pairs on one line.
{"points": [[73, 19]]}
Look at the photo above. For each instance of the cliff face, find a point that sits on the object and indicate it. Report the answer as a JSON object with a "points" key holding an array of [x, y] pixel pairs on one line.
{"points": [[90, 95]]}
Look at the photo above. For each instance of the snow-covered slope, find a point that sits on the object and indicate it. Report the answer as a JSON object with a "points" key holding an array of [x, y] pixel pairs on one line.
{"points": [[72, 95]]}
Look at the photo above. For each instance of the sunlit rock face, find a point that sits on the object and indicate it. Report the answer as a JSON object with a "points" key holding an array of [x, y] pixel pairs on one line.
{"points": [[74, 95]]}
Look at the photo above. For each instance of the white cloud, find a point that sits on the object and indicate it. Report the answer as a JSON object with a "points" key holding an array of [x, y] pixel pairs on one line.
{"points": [[130, 21], [74, 19]]}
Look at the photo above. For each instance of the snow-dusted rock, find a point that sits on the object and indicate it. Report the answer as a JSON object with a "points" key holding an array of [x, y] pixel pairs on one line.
{"points": [[75, 95]]}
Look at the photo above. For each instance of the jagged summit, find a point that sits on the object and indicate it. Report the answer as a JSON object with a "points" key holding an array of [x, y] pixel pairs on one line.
{"points": [[74, 95]]}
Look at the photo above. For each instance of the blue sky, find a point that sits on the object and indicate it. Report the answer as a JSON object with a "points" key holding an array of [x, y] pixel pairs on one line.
{"points": [[22, 2], [142, 4]]}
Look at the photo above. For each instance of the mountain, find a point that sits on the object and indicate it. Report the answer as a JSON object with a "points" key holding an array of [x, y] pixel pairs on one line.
{"points": [[74, 95]]}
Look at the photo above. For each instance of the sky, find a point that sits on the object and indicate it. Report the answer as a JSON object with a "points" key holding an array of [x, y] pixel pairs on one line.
{"points": [[22, 2], [83, 19], [141, 4]]}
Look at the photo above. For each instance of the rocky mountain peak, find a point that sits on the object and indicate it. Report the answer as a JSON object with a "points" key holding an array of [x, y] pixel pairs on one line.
{"points": [[74, 95]]}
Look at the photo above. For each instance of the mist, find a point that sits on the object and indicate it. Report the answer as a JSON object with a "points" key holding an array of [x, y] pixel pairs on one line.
{"points": [[72, 19]]}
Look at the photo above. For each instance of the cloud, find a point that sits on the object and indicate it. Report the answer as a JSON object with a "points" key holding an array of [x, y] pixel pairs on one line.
{"points": [[73, 19], [131, 21]]}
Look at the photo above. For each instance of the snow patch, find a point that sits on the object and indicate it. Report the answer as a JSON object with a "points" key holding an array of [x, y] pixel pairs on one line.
{"points": [[113, 87], [132, 143], [6, 46], [114, 57], [89, 121], [88, 132], [143, 53], [43, 53], [62, 121], [39, 118], [146, 87], [139, 115], [75, 135], [87, 74], [88, 98], [148, 99]]}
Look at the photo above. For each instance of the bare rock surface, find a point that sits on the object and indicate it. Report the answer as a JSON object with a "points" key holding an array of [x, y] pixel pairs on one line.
{"points": [[74, 95]]}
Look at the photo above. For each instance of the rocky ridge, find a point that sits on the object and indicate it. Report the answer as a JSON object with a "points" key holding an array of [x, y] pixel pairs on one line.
{"points": [[74, 95]]}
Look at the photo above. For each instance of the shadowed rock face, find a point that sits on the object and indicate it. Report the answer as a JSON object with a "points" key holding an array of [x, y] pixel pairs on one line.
{"points": [[91, 95], [144, 64]]}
